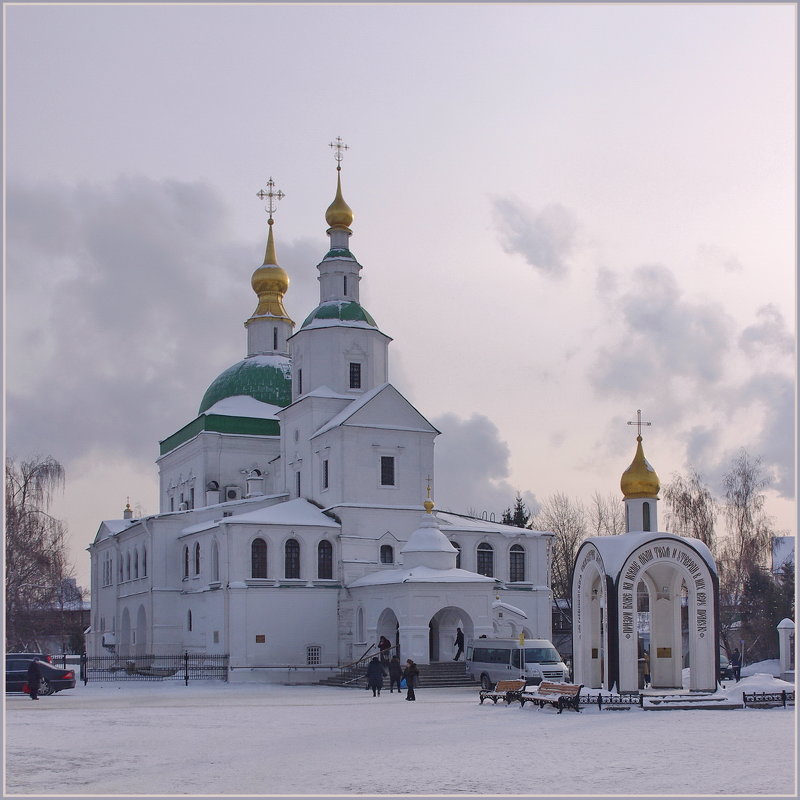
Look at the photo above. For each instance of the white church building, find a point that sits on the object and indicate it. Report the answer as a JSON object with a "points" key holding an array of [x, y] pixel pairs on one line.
{"points": [[295, 524]]}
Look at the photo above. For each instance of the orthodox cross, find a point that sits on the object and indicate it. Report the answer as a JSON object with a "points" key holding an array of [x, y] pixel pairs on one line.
{"points": [[428, 479], [338, 150], [272, 198], [639, 422]]}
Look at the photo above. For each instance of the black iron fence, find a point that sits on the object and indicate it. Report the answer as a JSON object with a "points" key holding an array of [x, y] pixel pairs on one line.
{"points": [[177, 666]]}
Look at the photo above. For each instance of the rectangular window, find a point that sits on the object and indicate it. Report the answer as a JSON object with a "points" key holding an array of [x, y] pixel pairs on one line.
{"points": [[191, 497], [299, 381], [274, 338], [345, 285], [325, 474], [387, 470], [313, 654], [355, 375], [297, 483]]}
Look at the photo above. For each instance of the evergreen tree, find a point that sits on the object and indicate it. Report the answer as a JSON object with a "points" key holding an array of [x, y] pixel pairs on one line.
{"points": [[520, 517]]}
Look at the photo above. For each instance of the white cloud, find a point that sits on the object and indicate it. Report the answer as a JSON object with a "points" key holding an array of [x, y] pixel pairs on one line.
{"points": [[545, 238]]}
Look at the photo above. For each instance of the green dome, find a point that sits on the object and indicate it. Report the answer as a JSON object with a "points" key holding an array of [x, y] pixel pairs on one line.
{"points": [[341, 310], [264, 378]]}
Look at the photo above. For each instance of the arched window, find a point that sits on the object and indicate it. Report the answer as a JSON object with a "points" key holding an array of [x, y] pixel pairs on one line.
{"points": [[128, 566], [292, 559], [387, 554], [485, 560], [144, 562], [189, 620], [646, 516], [458, 554], [136, 563], [325, 560], [121, 569], [516, 563], [214, 561], [197, 558], [258, 559], [186, 561]]}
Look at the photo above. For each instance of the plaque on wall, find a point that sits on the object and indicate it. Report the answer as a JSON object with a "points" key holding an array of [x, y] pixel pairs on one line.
{"points": [[663, 652], [261, 638], [594, 652]]}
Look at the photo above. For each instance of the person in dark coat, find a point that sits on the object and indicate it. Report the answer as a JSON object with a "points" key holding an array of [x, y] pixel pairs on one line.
{"points": [[385, 646], [33, 678], [411, 674], [375, 676], [736, 664], [459, 643], [395, 674]]}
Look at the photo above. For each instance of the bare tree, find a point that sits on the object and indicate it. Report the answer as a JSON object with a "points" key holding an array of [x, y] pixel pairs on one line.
{"points": [[606, 515], [567, 519], [691, 510], [36, 552], [746, 547]]}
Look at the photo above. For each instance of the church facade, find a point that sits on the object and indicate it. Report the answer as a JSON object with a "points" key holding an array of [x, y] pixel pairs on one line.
{"points": [[295, 524]]}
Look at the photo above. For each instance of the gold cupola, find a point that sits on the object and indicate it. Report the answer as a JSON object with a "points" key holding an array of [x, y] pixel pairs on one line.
{"points": [[270, 282], [339, 214], [640, 479]]}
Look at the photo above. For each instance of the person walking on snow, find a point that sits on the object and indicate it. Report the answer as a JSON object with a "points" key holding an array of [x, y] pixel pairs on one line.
{"points": [[395, 674], [411, 673], [375, 676], [736, 664], [33, 679], [459, 643]]}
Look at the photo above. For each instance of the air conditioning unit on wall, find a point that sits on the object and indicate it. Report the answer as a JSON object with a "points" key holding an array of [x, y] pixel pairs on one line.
{"points": [[232, 493]]}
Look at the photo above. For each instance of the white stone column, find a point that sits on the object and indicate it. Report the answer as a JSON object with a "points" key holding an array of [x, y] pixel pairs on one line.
{"points": [[786, 644]]}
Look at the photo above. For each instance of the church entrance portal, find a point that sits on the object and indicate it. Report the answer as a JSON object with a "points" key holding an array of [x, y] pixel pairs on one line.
{"points": [[442, 632], [389, 627]]}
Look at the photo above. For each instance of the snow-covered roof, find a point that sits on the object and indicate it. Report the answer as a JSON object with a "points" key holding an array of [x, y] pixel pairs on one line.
{"points": [[457, 522], [509, 607], [419, 575], [242, 405], [351, 409], [292, 512], [614, 550]]}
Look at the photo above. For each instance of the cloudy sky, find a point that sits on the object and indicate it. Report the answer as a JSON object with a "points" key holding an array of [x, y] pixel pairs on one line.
{"points": [[564, 213]]}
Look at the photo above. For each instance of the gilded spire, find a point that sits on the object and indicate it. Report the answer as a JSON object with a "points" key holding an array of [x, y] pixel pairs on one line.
{"points": [[339, 214], [428, 504], [640, 479], [269, 281]]}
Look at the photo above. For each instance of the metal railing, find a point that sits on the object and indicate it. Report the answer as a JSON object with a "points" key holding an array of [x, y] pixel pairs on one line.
{"points": [[177, 666], [356, 670]]}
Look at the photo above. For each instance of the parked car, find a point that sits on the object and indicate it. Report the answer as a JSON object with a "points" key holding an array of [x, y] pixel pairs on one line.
{"points": [[725, 668], [53, 679], [30, 656]]}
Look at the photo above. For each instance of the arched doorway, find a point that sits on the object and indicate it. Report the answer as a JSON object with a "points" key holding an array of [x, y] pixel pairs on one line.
{"points": [[442, 632], [389, 626]]}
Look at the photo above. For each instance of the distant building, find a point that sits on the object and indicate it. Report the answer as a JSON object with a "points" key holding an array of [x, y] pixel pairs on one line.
{"points": [[292, 532]]}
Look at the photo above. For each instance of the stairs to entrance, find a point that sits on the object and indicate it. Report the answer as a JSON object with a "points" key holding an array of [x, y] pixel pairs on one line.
{"points": [[437, 674], [695, 700]]}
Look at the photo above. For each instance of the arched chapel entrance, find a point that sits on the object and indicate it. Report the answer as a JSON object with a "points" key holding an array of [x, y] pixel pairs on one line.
{"points": [[442, 632]]}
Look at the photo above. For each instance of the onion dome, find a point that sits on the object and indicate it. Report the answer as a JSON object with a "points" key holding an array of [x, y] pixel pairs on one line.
{"points": [[334, 311], [266, 378], [339, 214], [270, 282], [640, 479]]}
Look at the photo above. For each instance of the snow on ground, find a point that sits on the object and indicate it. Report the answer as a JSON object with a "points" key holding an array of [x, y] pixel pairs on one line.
{"points": [[165, 738]]}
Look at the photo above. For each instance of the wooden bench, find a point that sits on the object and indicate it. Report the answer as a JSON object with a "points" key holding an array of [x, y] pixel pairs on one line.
{"points": [[560, 695], [508, 691], [767, 699]]}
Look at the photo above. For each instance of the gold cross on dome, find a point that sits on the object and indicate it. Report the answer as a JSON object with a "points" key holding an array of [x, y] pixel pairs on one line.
{"points": [[272, 197], [338, 150], [639, 422]]}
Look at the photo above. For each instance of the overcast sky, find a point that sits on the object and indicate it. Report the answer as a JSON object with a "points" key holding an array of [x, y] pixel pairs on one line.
{"points": [[564, 213]]}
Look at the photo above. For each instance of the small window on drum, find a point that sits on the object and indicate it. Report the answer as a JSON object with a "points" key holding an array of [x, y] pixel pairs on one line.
{"points": [[387, 554]]}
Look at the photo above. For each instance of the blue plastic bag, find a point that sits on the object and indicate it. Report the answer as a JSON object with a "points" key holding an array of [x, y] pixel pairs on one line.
{"points": [[403, 684]]}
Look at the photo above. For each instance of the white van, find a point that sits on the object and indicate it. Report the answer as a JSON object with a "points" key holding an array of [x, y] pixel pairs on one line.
{"points": [[492, 660]]}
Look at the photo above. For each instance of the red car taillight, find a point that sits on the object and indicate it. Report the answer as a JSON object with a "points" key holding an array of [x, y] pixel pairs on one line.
{"points": [[49, 659], [69, 675]]}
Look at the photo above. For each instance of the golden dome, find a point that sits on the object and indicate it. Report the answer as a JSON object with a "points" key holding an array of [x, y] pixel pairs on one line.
{"points": [[640, 479], [270, 282], [339, 214]]}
